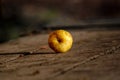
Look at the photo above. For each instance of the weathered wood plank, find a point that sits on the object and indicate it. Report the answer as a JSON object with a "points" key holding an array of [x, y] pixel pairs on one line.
{"points": [[94, 55]]}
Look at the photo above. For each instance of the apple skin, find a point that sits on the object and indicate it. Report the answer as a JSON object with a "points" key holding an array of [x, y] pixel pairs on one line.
{"points": [[60, 41]]}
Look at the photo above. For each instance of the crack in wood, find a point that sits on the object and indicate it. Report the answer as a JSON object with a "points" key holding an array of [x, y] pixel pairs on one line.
{"points": [[22, 54]]}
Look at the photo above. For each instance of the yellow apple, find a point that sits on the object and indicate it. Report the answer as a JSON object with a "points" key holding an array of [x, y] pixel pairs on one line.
{"points": [[60, 41]]}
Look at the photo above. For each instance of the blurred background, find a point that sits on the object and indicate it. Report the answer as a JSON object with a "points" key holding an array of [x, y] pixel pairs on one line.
{"points": [[24, 17]]}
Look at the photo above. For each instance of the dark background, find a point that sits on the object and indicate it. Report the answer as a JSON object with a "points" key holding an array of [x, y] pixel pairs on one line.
{"points": [[21, 17]]}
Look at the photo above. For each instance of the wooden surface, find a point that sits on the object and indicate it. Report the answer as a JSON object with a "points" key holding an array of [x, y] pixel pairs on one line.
{"points": [[95, 55]]}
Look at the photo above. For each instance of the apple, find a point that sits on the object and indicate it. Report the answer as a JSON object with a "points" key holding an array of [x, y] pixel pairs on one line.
{"points": [[60, 41]]}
